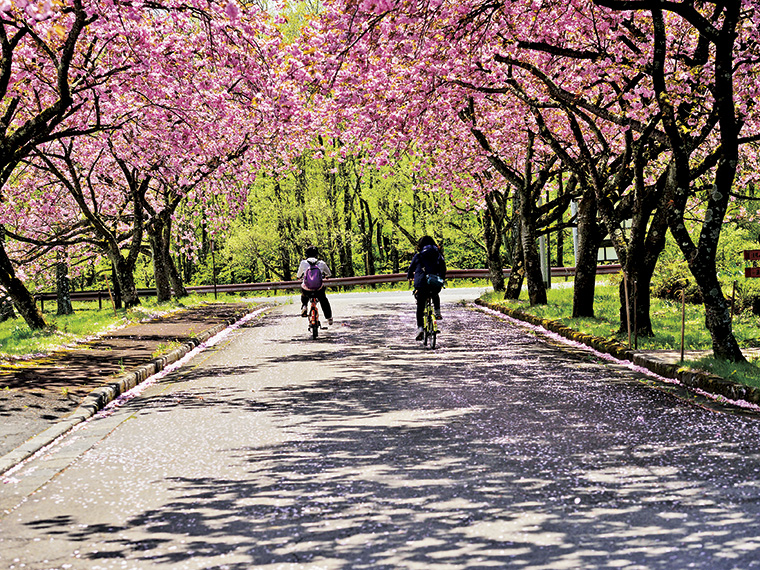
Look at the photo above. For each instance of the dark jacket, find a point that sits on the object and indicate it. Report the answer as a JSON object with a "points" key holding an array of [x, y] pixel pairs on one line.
{"points": [[426, 262]]}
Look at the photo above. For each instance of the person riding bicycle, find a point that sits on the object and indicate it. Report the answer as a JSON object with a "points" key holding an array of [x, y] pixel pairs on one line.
{"points": [[313, 271], [426, 262]]}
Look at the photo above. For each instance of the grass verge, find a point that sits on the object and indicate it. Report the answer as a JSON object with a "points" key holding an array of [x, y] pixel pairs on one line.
{"points": [[666, 318], [18, 341]]}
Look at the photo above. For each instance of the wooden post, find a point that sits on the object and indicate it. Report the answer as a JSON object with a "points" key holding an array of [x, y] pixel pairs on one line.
{"points": [[635, 315], [110, 295], [683, 320], [627, 307], [213, 268]]}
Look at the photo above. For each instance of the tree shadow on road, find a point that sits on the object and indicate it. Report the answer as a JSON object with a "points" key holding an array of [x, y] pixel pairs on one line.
{"points": [[492, 451]]}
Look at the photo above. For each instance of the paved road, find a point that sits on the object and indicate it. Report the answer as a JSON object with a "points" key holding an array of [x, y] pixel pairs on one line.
{"points": [[361, 450]]}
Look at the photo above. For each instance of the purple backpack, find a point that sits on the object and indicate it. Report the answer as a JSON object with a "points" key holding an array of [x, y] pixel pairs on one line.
{"points": [[312, 279]]}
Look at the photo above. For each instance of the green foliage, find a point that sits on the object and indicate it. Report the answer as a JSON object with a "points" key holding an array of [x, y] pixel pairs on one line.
{"points": [[735, 239], [672, 277], [165, 348], [362, 219], [239, 250], [672, 274], [296, 14]]}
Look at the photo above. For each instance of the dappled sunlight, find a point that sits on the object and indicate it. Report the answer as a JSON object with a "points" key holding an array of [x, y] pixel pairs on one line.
{"points": [[491, 451]]}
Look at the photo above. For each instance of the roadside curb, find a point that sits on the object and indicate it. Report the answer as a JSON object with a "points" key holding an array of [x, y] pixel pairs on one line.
{"points": [[691, 379], [101, 396]]}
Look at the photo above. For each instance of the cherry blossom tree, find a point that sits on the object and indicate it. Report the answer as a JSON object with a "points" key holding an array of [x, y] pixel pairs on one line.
{"points": [[627, 93], [409, 76], [45, 78], [191, 88], [703, 67], [207, 118]]}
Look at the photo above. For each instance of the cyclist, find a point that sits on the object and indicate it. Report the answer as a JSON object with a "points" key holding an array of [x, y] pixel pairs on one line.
{"points": [[312, 284], [427, 261]]}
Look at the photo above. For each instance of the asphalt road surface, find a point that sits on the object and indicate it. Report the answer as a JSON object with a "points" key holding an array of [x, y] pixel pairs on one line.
{"points": [[364, 450]]}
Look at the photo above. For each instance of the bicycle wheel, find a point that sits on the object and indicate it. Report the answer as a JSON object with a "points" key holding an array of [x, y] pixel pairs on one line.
{"points": [[433, 336], [428, 325], [314, 320]]}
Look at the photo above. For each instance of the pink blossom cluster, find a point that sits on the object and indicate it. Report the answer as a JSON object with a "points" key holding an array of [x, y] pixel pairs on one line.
{"points": [[37, 9], [394, 77], [194, 97], [188, 98]]}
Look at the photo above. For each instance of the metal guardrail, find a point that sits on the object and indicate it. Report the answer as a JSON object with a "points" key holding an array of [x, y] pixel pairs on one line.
{"points": [[102, 295]]}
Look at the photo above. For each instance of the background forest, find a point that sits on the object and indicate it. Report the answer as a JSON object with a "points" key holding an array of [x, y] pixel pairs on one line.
{"points": [[367, 221]]}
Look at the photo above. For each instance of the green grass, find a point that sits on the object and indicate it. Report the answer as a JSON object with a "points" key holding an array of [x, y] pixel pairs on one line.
{"points": [[18, 340], [745, 373], [666, 321], [165, 347]]}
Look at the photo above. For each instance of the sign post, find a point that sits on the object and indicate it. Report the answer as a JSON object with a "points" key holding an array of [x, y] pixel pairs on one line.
{"points": [[751, 255]]}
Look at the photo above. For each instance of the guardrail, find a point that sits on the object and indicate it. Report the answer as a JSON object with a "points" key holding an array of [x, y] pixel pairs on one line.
{"points": [[101, 295]]}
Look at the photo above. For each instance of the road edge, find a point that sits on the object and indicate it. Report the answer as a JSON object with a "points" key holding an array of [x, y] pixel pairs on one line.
{"points": [[717, 386], [103, 395]]}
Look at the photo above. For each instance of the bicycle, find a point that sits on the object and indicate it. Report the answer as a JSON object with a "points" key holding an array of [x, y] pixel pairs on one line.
{"points": [[429, 324], [314, 324]]}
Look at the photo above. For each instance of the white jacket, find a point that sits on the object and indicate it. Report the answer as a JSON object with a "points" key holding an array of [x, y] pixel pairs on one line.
{"points": [[305, 264]]}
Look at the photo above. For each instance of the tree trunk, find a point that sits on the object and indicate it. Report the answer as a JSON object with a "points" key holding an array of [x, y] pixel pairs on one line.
{"points": [[347, 256], [531, 258], [589, 238], [126, 280], [6, 307], [492, 235], [185, 269], [25, 304], [381, 254], [22, 299], [639, 303], [63, 287], [116, 289], [367, 227], [302, 187], [517, 275], [284, 233], [176, 280], [701, 257], [641, 259], [561, 246], [516, 279], [175, 277], [717, 312], [285, 262], [158, 250], [334, 233]]}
